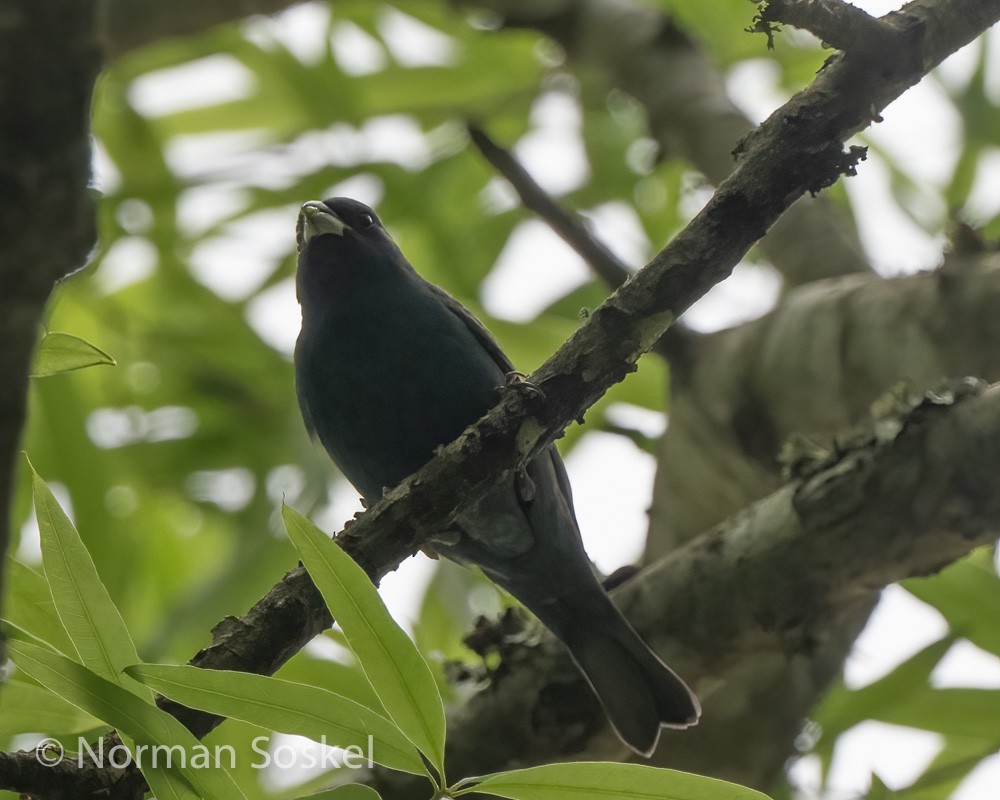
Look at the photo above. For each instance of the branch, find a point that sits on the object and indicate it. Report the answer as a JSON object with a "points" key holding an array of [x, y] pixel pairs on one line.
{"points": [[49, 58], [838, 24], [568, 225], [25, 774], [810, 368]]}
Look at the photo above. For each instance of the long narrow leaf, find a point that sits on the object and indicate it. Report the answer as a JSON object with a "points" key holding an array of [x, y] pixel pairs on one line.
{"points": [[967, 593], [29, 606], [167, 784], [349, 791], [284, 706], [394, 666], [28, 708], [608, 781], [146, 724], [88, 615]]}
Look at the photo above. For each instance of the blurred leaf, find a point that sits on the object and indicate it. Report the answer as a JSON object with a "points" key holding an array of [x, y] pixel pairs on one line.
{"points": [[284, 706], [397, 671], [28, 708], [952, 712], [878, 790], [446, 613], [608, 781], [63, 352], [967, 593], [949, 768], [842, 709], [350, 791]]}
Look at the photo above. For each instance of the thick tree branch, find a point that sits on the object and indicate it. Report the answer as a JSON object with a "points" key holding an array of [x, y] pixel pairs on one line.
{"points": [[49, 58], [811, 368], [25, 774]]}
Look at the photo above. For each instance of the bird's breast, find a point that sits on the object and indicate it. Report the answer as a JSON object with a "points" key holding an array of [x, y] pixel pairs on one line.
{"points": [[385, 387]]}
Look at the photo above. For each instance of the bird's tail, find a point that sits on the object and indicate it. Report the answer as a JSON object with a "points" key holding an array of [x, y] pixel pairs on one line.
{"points": [[640, 693]]}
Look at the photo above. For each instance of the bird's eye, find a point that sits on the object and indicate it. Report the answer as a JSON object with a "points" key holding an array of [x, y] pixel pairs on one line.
{"points": [[367, 220]]}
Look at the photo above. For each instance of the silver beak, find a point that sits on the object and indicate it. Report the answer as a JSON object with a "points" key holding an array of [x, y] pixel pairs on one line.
{"points": [[315, 219]]}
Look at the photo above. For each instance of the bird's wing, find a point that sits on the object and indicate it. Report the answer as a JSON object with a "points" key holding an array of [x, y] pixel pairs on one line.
{"points": [[476, 328], [301, 396]]}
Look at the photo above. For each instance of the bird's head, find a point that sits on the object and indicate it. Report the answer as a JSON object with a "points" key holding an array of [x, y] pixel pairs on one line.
{"points": [[342, 244], [338, 216]]}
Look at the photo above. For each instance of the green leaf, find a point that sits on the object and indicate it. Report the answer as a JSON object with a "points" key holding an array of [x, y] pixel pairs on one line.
{"points": [[970, 713], [879, 791], [29, 606], [967, 593], [842, 709], [29, 708], [167, 784], [394, 666], [64, 352], [607, 781], [349, 791], [89, 617], [143, 722], [349, 679], [949, 768], [284, 706]]}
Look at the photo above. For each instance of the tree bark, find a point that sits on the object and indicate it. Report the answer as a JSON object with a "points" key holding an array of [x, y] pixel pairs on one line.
{"points": [[49, 59]]}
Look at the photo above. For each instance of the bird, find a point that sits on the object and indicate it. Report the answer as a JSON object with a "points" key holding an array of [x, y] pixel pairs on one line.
{"points": [[390, 367]]}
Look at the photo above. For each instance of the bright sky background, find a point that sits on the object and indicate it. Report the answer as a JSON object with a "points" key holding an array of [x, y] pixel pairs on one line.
{"points": [[612, 479]]}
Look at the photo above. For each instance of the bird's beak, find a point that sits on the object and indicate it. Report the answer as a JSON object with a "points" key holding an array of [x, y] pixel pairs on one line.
{"points": [[315, 219]]}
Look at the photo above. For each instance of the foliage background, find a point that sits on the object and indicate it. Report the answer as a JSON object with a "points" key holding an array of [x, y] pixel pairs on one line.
{"points": [[174, 461]]}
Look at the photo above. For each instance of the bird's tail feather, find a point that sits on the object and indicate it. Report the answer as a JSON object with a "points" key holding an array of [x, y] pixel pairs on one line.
{"points": [[640, 693]]}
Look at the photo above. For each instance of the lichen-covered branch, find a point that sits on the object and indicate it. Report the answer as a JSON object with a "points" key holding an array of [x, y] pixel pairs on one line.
{"points": [[810, 369], [834, 22]]}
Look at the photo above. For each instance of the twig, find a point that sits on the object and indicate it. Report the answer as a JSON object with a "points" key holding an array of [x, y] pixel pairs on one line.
{"points": [[840, 25], [568, 225]]}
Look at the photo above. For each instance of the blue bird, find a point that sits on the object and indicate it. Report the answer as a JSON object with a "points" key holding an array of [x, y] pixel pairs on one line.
{"points": [[389, 367]]}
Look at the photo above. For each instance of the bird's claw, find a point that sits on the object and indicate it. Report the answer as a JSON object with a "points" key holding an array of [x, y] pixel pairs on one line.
{"points": [[518, 382], [447, 538]]}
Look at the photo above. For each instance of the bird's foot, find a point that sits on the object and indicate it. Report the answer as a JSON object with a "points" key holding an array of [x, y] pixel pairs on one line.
{"points": [[445, 538], [518, 382], [620, 576]]}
